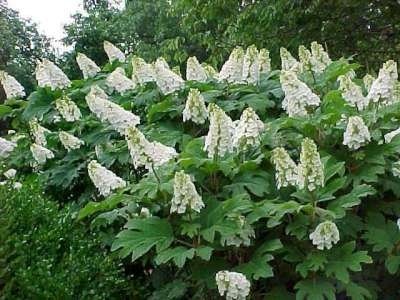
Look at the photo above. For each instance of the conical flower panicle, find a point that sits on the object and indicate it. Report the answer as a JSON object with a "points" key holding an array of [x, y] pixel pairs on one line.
{"points": [[289, 63], [305, 58], [232, 70], [352, 93], [41, 154], [103, 179], [298, 96], [6, 147], [166, 80], [11, 86], [48, 74], [251, 65], [368, 79], [219, 138], [185, 195], [119, 82], [68, 109], [248, 130], [233, 285], [87, 66], [113, 52], [264, 61], [324, 235], [69, 141], [383, 87], [286, 169], [210, 71], [310, 169], [109, 112], [194, 70], [142, 71], [38, 132], [195, 108], [319, 58], [356, 134]]}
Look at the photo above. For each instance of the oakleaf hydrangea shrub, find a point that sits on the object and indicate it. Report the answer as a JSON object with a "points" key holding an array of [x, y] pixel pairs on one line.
{"points": [[247, 183]]}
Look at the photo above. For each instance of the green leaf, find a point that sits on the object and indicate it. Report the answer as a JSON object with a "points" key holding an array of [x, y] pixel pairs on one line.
{"points": [[256, 182], [392, 264], [204, 252], [357, 292], [4, 110], [343, 258], [39, 103], [177, 254], [108, 204], [315, 289], [314, 261], [142, 235]]}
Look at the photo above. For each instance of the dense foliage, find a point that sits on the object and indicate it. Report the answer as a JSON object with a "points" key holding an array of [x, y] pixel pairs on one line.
{"points": [[45, 254], [279, 184]]}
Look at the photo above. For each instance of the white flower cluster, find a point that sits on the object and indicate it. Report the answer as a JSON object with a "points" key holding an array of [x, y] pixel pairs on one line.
{"points": [[218, 141], [69, 141], [234, 285], [145, 153], [248, 130], [113, 52], [10, 173], [210, 71], [368, 80], [383, 87], [11, 86], [167, 80], [103, 179], [396, 169], [390, 135], [142, 71], [310, 168], [352, 93], [48, 74], [6, 147], [319, 59], [286, 168], [194, 70], [41, 154], [288, 62], [356, 134], [232, 69], [298, 96], [195, 108], [185, 194], [68, 109], [305, 58], [87, 66], [119, 82], [251, 65], [325, 235], [108, 111], [38, 132], [242, 236], [264, 61]]}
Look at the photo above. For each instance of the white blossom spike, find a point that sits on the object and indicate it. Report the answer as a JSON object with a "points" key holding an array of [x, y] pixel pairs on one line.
{"points": [[251, 65], [264, 61], [38, 132], [286, 169], [68, 109], [233, 285], [368, 80], [383, 87], [305, 58], [232, 70], [352, 93], [104, 180], [218, 141], [162, 62], [166, 80], [41, 154], [87, 66], [109, 112], [11, 86], [298, 96], [194, 70], [6, 147], [248, 130], [185, 195], [49, 75], [356, 134], [113, 52], [69, 141], [319, 58], [210, 71], [142, 71], [195, 108], [119, 82], [289, 63], [310, 169], [324, 235]]}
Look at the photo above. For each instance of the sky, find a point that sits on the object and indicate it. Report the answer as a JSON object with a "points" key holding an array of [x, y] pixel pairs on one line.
{"points": [[50, 15]]}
